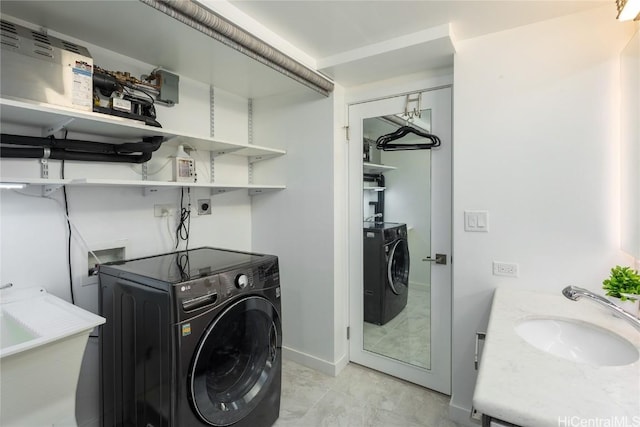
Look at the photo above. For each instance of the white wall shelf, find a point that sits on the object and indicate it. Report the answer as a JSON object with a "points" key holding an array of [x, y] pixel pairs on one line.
{"points": [[50, 118], [376, 168], [34, 181], [149, 187]]}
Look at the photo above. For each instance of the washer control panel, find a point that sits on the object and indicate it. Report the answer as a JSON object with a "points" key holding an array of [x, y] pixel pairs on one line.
{"points": [[237, 281], [199, 293], [196, 296]]}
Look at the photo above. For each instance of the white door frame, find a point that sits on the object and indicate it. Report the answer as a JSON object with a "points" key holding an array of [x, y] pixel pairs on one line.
{"points": [[439, 100]]}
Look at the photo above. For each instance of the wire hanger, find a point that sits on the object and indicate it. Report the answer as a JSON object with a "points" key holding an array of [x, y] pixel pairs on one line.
{"points": [[384, 142]]}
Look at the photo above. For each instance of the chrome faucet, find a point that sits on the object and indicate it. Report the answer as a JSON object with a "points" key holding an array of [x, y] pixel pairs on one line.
{"points": [[575, 293]]}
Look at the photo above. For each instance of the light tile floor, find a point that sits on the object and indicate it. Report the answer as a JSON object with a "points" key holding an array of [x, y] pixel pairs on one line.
{"points": [[358, 397]]}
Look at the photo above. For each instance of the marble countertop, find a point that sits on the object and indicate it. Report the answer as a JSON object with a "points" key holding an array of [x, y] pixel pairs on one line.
{"points": [[522, 385]]}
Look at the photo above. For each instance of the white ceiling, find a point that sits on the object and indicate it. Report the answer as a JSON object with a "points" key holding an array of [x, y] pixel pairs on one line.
{"points": [[328, 29]]}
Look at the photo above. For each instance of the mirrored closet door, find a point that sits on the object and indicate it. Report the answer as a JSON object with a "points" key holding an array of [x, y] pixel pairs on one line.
{"points": [[400, 236]]}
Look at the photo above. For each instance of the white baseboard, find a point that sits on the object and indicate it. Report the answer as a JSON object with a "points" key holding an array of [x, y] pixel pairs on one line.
{"points": [[326, 367], [462, 416]]}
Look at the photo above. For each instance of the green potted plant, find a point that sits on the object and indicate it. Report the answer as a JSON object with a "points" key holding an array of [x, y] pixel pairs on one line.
{"points": [[623, 285]]}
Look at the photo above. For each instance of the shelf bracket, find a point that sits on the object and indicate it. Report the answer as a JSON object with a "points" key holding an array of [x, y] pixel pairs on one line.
{"points": [[250, 121], [217, 191], [212, 167], [44, 163], [257, 191], [49, 189], [212, 96], [149, 191], [225, 151], [50, 130], [256, 159]]}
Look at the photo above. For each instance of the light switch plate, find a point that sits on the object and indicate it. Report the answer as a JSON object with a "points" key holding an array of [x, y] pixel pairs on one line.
{"points": [[476, 221]]}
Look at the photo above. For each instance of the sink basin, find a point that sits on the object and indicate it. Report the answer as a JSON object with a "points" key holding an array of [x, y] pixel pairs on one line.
{"points": [[42, 342], [31, 317], [577, 341], [13, 333]]}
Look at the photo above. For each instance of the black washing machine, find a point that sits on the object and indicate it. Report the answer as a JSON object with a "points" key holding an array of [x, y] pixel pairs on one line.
{"points": [[386, 271], [192, 338]]}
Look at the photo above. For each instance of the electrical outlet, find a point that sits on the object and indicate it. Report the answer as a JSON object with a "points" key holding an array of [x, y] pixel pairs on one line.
{"points": [[204, 206], [164, 210], [475, 414], [505, 269]]}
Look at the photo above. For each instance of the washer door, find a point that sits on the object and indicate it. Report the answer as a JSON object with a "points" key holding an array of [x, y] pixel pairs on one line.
{"points": [[235, 362], [398, 267]]}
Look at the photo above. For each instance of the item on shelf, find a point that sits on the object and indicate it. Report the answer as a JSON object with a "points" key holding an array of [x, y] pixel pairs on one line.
{"points": [[366, 150], [120, 94], [39, 67], [184, 166]]}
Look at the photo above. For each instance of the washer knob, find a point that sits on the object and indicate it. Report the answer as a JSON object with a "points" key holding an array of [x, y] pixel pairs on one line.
{"points": [[242, 281]]}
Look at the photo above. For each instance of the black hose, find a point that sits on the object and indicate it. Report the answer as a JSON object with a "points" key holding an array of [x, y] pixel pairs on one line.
{"points": [[58, 154], [25, 153], [149, 144], [105, 83], [73, 149]]}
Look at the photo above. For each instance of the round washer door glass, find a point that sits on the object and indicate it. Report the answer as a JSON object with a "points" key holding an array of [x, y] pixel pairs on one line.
{"points": [[398, 267], [235, 362]]}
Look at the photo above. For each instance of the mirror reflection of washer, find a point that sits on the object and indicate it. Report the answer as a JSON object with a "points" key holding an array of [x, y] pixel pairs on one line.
{"points": [[192, 339], [386, 270]]}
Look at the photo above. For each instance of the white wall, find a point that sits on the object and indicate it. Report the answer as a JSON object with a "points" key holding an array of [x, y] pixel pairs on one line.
{"points": [[536, 144], [299, 223], [340, 228]]}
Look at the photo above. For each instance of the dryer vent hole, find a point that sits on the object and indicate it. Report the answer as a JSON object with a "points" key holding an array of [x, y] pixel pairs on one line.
{"points": [[204, 206]]}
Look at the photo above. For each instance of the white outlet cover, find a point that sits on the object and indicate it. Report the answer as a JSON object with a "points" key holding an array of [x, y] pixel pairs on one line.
{"points": [[507, 269]]}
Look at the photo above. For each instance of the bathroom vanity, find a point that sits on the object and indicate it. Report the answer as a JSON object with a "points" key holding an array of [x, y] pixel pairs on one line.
{"points": [[550, 361]]}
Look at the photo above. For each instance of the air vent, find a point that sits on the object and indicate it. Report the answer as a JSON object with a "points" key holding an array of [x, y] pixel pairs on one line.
{"points": [[9, 35], [8, 27], [10, 43], [39, 37], [71, 47]]}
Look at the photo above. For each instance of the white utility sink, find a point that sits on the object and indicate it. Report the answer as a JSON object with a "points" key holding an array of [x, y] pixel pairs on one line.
{"points": [[13, 333], [577, 341], [32, 317], [42, 341]]}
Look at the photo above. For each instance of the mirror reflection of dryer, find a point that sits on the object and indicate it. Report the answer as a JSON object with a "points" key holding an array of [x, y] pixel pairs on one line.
{"points": [[386, 271]]}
